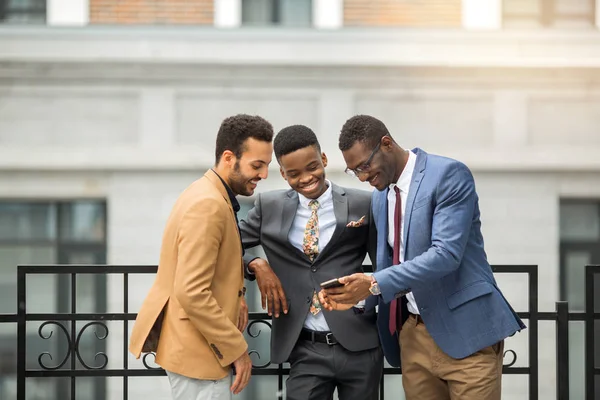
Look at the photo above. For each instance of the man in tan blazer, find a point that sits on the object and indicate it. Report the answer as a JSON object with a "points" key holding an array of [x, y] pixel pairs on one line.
{"points": [[191, 317]]}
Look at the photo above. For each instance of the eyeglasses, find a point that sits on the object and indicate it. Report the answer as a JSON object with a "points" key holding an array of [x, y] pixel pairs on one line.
{"points": [[366, 166]]}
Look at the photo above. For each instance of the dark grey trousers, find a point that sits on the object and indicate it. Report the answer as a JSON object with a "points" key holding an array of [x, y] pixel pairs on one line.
{"points": [[317, 369]]}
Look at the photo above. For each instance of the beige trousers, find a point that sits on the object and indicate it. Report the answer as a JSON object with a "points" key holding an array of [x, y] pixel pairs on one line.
{"points": [[429, 374]]}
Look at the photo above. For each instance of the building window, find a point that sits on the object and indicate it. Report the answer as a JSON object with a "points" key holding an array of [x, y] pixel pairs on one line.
{"points": [[50, 232], [579, 246], [293, 13], [549, 13], [23, 11]]}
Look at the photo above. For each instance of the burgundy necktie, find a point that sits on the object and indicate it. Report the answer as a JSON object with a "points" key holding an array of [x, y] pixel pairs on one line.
{"points": [[395, 308]]}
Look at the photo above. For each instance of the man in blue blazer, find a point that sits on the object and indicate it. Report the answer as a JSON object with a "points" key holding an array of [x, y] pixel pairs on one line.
{"points": [[438, 299]]}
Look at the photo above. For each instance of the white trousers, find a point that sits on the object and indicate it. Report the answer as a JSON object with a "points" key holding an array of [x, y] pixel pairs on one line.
{"points": [[184, 388]]}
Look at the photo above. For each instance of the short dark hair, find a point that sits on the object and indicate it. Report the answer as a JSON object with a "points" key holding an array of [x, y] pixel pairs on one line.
{"points": [[234, 132], [294, 138], [363, 129]]}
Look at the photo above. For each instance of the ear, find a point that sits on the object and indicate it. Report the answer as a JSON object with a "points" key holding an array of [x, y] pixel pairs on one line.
{"points": [[282, 173], [387, 143], [324, 159], [228, 158]]}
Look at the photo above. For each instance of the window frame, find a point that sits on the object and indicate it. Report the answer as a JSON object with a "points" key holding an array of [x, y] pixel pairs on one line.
{"points": [[62, 248], [275, 17], [548, 15], [590, 246], [7, 9]]}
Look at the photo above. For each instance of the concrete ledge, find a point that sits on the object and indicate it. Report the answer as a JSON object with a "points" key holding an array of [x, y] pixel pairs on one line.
{"points": [[281, 47]]}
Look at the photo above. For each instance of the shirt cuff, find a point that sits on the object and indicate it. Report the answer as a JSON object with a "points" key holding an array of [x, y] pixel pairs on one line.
{"points": [[248, 269]]}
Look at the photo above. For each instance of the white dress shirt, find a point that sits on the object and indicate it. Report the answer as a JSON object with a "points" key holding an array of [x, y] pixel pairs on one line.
{"points": [[327, 223], [404, 185]]}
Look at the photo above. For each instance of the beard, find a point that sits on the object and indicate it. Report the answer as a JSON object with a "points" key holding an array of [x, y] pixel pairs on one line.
{"points": [[239, 182]]}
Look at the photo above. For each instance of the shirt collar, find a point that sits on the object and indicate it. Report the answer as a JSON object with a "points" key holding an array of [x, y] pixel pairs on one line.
{"points": [[403, 182], [234, 202], [325, 197]]}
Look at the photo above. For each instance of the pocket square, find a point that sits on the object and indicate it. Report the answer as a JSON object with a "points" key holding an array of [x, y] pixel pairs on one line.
{"points": [[356, 224]]}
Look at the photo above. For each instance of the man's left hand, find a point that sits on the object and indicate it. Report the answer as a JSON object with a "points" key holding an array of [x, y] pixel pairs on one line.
{"points": [[243, 317], [356, 288]]}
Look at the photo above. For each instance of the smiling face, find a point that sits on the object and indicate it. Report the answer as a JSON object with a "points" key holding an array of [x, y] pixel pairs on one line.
{"points": [[374, 165], [304, 171], [251, 167]]}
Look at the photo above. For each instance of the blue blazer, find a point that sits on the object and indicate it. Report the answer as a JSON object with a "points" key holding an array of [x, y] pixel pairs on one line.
{"points": [[445, 265]]}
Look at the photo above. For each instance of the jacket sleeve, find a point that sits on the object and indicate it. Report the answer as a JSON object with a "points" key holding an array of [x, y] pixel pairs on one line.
{"points": [[199, 240], [250, 232], [451, 226]]}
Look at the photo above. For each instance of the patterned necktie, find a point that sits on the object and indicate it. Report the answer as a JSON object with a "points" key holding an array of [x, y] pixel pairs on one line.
{"points": [[310, 245]]}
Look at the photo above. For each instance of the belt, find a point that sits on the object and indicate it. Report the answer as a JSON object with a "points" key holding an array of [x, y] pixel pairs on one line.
{"points": [[417, 317], [321, 337]]}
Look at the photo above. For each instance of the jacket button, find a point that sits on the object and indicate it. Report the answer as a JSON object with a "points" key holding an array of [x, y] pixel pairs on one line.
{"points": [[314, 269]]}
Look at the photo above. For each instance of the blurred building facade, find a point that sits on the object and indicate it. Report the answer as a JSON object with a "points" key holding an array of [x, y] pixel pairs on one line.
{"points": [[109, 109]]}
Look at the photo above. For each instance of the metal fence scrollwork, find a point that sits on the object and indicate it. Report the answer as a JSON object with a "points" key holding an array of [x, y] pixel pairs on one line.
{"points": [[73, 345], [46, 353], [514, 358], [145, 358], [253, 333]]}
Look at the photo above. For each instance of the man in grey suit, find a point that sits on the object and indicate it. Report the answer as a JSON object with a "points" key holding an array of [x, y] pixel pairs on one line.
{"points": [[312, 233]]}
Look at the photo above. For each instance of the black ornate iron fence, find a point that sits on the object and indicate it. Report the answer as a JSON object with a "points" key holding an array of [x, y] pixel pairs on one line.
{"points": [[73, 365]]}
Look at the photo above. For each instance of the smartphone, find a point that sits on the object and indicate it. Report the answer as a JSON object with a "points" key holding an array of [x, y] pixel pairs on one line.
{"points": [[333, 283]]}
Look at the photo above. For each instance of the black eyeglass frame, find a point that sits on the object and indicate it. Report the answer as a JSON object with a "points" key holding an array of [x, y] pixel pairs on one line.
{"points": [[366, 166]]}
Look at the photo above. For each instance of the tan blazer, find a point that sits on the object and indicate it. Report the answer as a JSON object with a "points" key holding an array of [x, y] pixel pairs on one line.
{"points": [[190, 315]]}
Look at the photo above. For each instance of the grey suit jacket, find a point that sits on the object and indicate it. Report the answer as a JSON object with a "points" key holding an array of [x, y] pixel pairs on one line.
{"points": [[268, 224]]}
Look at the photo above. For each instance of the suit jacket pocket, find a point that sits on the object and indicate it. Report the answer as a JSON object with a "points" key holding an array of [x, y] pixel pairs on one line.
{"points": [[469, 293], [181, 314], [421, 202]]}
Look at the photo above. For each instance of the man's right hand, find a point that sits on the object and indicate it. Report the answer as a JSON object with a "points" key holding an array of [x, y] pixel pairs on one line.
{"points": [[331, 305], [272, 294], [243, 371]]}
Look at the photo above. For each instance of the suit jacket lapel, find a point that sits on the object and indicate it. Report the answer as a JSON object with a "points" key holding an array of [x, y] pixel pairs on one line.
{"points": [[290, 206], [215, 179], [417, 178], [340, 210], [382, 231], [212, 176]]}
